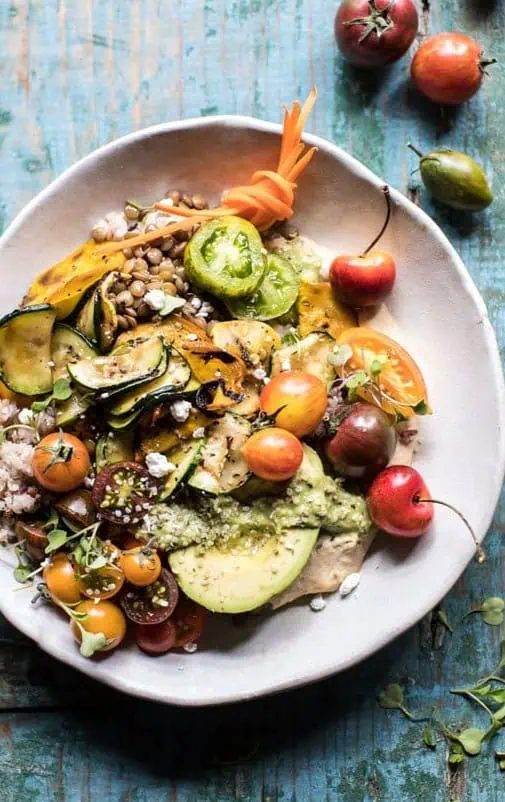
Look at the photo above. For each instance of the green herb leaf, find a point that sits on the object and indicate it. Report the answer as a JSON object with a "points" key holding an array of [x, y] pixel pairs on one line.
{"points": [[25, 567], [355, 381], [442, 617], [92, 642], [456, 754], [171, 304], [62, 390], [391, 697], [56, 539], [400, 417], [482, 690], [22, 574], [40, 406], [52, 521], [471, 740], [98, 562], [497, 695], [491, 611], [340, 355], [429, 737], [421, 408]]}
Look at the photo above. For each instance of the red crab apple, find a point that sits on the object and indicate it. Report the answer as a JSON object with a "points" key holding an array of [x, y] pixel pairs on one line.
{"points": [[401, 505], [366, 279]]}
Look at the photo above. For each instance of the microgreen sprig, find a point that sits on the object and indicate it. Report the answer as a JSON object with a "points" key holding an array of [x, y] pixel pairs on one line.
{"points": [[62, 391]]}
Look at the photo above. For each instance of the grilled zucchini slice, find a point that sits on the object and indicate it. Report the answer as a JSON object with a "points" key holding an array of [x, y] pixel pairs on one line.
{"points": [[223, 467], [170, 382], [25, 350], [124, 369]]}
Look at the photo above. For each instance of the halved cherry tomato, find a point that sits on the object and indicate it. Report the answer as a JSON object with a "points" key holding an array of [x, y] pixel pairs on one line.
{"points": [[156, 638], [60, 462], [296, 399], [399, 378], [189, 619], [273, 454], [154, 603], [102, 583], [61, 580], [102, 616], [141, 566], [123, 492]]}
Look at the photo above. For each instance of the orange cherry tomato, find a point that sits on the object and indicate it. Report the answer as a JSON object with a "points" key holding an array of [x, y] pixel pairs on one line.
{"points": [[60, 462], [449, 68], [102, 583], [297, 400], [103, 617], [61, 580], [400, 378], [141, 566], [273, 454]]}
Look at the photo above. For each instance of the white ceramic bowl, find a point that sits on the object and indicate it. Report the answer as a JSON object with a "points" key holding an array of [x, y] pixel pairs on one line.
{"points": [[446, 327]]}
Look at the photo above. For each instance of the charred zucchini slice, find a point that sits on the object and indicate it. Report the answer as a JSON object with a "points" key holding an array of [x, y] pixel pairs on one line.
{"points": [[186, 457], [226, 257], [171, 382], [25, 350], [68, 346], [114, 447], [125, 368], [310, 354], [108, 325], [223, 468], [88, 318]]}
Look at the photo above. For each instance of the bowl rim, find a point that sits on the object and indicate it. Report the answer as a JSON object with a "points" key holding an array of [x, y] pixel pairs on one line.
{"points": [[98, 670]]}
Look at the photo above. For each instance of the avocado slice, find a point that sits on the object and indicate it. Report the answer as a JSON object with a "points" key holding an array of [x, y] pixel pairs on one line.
{"points": [[245, 574]]}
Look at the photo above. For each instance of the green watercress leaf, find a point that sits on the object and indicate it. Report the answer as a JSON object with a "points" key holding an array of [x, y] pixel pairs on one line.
{"points": [[356, 380], [392, 698], [497, 695], [442, 617], [56, 539], [456, 754], [22, 574], [491, 611], [40, 406], [92, 642], [62, 390], [339, 355], [98, 562], [25, 567], [471, 740], [171, 304], [421, 408], [429, 737]]}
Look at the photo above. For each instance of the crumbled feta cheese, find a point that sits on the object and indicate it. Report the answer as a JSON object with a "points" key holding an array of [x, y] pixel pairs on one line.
{"points": [[192, 337], [266, 379], [25, 417], [88, 481], [285, 364], [155, 299], [196, 302], [349, 584], [259, 374], [317, 603], [180, 410], [190, 648], [158, 465], [198, 433], [51, 364]]}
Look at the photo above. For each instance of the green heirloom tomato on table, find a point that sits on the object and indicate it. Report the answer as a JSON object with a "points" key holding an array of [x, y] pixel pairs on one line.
{"points": [[455, 179]]}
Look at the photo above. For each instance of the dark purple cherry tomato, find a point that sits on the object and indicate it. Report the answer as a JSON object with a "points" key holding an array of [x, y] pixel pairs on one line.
{"points": [[152, 604], [157, 638], [123, 492], [364, 440]]}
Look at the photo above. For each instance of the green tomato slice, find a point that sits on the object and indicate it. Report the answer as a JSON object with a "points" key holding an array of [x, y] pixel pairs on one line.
{"points": [[275, 295], [226, 257]]}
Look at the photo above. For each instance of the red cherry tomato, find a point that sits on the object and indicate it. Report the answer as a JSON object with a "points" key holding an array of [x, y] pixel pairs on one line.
{"points": [[296, 399], [449, 68], [273, 454], [362, 281], [155, 639], [394, 502], [372, 33], [189, 619]]}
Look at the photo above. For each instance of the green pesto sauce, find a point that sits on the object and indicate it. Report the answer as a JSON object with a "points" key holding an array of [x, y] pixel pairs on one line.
{"points": [[322, 504]]}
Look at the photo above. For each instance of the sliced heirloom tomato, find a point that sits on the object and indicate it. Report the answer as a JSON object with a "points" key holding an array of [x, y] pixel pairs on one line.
{"points": [[400, 379], [123, 492], [156, 639], [102, 583], [153, 604]]}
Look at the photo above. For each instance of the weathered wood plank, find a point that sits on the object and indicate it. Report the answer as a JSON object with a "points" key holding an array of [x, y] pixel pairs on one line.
{"points": [[75, 75]]}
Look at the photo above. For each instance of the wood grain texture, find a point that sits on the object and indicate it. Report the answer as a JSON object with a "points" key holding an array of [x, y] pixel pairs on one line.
{"points": [[74, 75]]}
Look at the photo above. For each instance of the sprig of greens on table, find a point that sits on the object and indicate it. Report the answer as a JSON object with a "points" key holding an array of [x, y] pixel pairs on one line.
{"points": [[488, 693]]}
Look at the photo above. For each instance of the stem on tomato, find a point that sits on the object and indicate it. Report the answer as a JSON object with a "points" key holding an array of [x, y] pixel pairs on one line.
{"points": [[387, 195], [481, 554], [415, 150]]}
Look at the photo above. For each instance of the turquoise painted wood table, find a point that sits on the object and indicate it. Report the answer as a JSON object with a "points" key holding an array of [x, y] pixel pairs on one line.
{"points": [[74, 75]]}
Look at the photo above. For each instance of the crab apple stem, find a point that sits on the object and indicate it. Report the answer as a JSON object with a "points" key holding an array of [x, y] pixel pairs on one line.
{"points": [[387, 195], [415, 150], [481, 554], [488, 62]]}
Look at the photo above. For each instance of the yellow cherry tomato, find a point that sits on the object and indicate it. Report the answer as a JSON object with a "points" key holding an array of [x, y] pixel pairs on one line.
{"points": [[61, 580], [141, 566], [102, 583], [104, 617]]}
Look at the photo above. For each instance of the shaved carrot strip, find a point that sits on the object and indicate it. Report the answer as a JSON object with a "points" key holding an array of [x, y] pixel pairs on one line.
{"points": [[268, 198]]}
